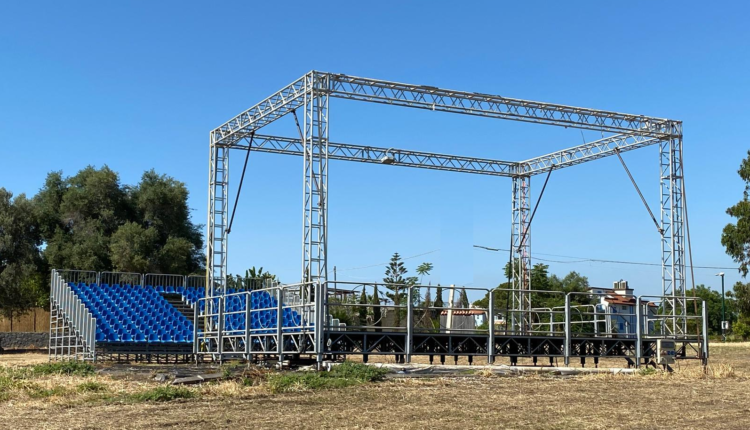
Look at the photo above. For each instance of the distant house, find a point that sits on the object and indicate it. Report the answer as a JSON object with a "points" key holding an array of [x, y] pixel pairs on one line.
{"points": [[463, 319], [617, 305]]}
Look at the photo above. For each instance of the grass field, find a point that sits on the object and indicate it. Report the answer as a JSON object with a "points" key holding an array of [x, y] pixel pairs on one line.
{"points": [[128, 397]]}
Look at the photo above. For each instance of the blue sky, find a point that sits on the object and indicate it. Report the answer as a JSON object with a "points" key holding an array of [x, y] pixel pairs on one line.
{"points": [[139, 85]]}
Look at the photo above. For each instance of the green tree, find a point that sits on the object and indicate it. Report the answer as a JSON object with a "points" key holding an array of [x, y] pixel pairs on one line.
{"points": [[160, 202], [394, 279], [81, 213], [713, 307], [736, 237], [463, 299], [362, 307], [423, 270], [376, 310], [742, 298], [439, 297], [90, 221], [540, 277], [253, 279], [398, 285], [133, 248], [21, 279]]}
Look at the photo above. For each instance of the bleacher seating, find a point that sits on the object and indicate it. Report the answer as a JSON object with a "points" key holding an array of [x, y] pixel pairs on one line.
{"points": [[127, 313], [136, 314]]}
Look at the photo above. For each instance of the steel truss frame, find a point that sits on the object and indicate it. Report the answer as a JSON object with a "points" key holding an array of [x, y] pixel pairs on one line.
{"points": [[312, 92]]}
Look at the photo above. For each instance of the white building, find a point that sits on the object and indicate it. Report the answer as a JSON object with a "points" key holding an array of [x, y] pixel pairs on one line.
{"points": [[617, 306]]}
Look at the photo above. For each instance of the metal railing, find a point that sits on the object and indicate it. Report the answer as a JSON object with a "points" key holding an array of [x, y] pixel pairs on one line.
{"points": [[164, 280], [298, 318], [120, 278], [278, 319], [72, 326]]}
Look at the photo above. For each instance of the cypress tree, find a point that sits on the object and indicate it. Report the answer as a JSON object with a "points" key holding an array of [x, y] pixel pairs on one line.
{"points": [[376, 311], [463, 299], [363, 308], [439, 297]]}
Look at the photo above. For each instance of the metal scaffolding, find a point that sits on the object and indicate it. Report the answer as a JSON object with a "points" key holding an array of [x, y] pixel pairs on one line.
{"points": [[311, 94]]}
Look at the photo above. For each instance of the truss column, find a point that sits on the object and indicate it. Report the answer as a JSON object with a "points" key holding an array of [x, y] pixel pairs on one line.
{"points": [[521, 263], [218, 209], [673, 238], [315, 196]]}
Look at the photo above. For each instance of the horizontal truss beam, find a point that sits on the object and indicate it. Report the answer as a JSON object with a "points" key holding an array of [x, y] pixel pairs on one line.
{"points": [[426, 97], [433, 98], [587, 152], [370, 154], [453, 163], [272, 108]]}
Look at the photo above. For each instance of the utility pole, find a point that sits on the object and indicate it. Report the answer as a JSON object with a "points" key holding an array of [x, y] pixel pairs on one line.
{"points": [[723, 317]]}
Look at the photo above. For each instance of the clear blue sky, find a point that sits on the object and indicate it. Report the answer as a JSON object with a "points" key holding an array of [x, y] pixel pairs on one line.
{"points": [[138, 85]]}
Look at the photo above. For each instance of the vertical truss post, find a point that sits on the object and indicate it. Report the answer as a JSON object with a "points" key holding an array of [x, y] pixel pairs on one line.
{"points": [[521, 263], [315, 195], [409, 323], [568, 332], [673, 237], [218, 205], [491, 325]]}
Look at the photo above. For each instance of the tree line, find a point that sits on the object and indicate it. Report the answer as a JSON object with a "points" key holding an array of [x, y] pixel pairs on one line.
{"points": [[91, 221], [736, 241]]}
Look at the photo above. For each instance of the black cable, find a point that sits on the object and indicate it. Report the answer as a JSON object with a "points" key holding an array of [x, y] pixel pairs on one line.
{"points": [[539, 200], [296, 121], [242, 179], [643, 199], [597, 260]]}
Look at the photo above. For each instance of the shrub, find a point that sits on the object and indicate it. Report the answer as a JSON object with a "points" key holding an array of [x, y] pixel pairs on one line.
{"points": [[343, 375], [77, 368], [359, 371], [741, 329], [35, 392], [91, 387]]}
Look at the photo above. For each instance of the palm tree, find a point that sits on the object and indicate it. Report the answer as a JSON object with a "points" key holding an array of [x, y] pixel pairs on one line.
{"points": [[424, 269]]}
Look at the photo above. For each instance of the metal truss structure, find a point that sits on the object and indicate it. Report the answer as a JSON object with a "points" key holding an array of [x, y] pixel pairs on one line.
{"points": [[311, 94]]}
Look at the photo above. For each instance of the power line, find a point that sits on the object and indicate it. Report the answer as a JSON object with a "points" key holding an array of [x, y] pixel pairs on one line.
{"points": [[599, 260], [388, 262]]}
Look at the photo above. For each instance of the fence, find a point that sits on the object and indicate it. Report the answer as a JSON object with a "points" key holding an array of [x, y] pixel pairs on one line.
{"points": [[35, 320]]}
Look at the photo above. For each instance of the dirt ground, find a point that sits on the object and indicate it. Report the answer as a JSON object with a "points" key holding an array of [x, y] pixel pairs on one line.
{"points": [[685, 399]]}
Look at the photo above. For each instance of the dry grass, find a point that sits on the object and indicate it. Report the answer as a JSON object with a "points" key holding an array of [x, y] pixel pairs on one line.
{"points": [[688, 398]]}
